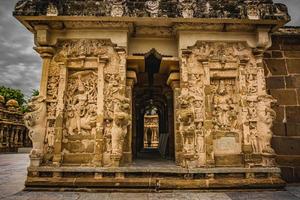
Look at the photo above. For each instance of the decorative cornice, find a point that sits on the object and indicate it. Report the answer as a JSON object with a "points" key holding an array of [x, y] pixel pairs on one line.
{"points": [[224, 9]]}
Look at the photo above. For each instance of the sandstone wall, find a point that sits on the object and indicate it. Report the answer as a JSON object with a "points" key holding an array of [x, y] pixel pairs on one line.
{"points": [[283, 82]]}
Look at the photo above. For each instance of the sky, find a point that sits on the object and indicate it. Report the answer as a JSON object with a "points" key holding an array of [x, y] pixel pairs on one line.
{"points": [[20, 65]]}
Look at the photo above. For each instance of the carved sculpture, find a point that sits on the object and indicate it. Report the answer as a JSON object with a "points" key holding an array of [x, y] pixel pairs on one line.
{"points": [[186, 8], [35, 121], [186, 117], [121, 122], [266, 116], [81, 113], [117, 8], [153, 7]]}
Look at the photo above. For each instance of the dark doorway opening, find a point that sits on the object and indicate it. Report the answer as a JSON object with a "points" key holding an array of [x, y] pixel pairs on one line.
{"points": [[153, 135]]}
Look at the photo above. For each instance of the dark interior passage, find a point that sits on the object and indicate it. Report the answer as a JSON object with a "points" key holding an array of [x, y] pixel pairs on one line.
{"points": [[153, 98]]}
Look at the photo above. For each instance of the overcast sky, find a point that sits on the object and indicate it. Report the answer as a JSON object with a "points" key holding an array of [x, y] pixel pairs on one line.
{"points": [[20, 65]]}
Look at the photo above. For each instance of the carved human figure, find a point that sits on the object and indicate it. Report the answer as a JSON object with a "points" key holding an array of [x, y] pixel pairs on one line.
{"points": [[266, 116], [51, 138], [35, 121], [107, 135], [186, 117], [121, 121], [223, 104], [253, 139], [200, 139]]}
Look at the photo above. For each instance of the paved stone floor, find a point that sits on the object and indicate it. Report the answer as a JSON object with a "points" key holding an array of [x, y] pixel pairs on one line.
{"points": [[13, 174]]}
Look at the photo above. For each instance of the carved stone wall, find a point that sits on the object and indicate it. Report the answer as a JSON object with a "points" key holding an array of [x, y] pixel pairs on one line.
{"points": [[13, 133], [224, 114], [86, 111]]}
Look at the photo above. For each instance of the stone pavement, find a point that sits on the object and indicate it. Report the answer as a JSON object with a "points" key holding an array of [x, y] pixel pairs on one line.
{"points": [[13, 174]]}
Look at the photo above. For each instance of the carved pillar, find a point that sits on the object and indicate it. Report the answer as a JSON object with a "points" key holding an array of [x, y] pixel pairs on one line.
{"points": [[208, 125], [131, 81], [100, 110], [174, 82], [63, 74], [46, 54]]}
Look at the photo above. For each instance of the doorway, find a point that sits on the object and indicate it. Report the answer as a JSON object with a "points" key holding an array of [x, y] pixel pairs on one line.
{"points": [[153, 132]]}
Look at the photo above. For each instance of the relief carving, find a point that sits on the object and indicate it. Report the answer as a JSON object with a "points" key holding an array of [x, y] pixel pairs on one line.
{"points": [[153, 8], [224, 106], [81, 102], [35, 121], [187, 8], [266, 116], [117, 8], [119, 128]]}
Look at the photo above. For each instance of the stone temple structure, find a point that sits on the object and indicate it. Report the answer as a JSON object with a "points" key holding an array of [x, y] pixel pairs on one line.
{"points": [[13, 133], [198, 62]]}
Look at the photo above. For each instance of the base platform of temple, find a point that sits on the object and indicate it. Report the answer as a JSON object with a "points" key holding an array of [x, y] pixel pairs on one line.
{"points": [[145, 178]]}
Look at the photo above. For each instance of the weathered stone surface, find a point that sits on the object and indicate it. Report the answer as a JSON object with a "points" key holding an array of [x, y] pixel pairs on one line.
{"points": [[286, 146], [292, 81], [288, 160], [293, 66], [292, 114], [284, 96], [276, 66], [292, 54], [275, 82], [293, 129], [277, 54], [279, 129]]}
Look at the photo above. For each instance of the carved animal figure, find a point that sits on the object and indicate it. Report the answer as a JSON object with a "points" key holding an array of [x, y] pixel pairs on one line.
{"points": [[35, 121]]}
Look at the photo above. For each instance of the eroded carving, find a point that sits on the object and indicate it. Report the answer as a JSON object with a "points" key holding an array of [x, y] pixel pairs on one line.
{"points": [[35, 121]]}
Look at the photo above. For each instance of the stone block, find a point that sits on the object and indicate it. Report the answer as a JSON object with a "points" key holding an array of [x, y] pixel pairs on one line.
{"points": [[286, 145], [287, 160], [292, 114], [285, 97], [279, 113], [291, 44], [292, 81], [277, 54], [275, 82], [292, 54], [293, 66], [276, 42], [279, 129], [293, 129], [287, 174], [276, 66], [268, 54]]}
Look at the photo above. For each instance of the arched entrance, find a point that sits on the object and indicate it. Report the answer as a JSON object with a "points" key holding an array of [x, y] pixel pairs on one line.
{"points": [[153, 135]]}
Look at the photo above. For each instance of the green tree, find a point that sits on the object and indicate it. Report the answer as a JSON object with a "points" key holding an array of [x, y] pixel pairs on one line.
{"points": [[10, 93], [35, 93]]}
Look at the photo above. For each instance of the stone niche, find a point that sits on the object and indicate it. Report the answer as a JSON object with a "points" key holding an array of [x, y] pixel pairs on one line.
{"points": [[219, 115]]}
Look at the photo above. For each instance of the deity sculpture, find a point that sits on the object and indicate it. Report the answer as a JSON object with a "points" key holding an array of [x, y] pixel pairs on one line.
{"points": [[81, 114], [223, 107]]}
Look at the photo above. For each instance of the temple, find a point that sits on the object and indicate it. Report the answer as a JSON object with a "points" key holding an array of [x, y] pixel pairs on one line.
{"points": [[152, 95]]}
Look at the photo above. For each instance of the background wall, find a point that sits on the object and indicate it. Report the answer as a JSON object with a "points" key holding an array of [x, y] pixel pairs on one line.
{"points": [[283, 82]]}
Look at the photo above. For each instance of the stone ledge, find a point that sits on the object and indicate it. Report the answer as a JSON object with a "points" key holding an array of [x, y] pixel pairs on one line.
{"points": [[174, 169]]}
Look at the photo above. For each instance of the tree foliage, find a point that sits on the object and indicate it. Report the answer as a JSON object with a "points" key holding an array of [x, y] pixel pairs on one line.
{"points": [[10, 93]]}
